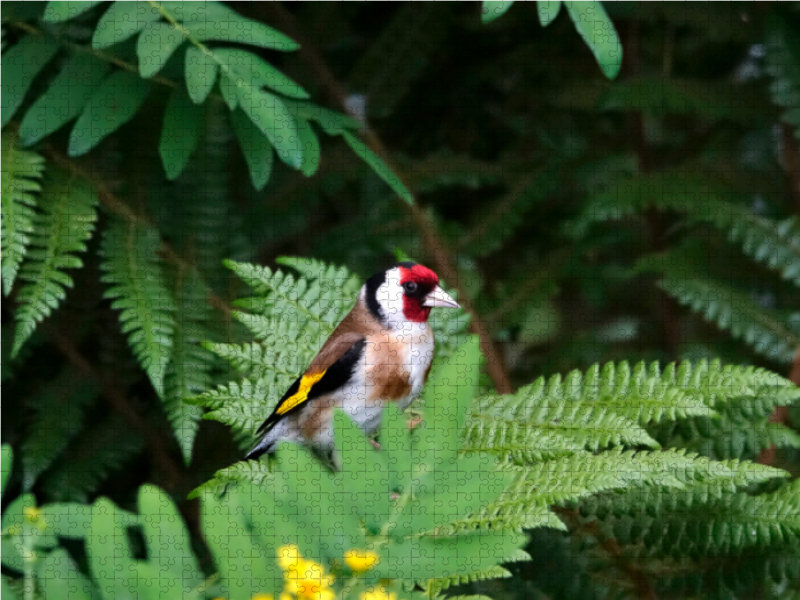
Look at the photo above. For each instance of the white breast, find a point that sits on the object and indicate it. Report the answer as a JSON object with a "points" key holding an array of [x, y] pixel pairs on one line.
{"points": [[418, 338]]}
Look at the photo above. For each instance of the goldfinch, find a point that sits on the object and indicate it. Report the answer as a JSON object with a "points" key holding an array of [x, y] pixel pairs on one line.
{"points": [[381, 352]]}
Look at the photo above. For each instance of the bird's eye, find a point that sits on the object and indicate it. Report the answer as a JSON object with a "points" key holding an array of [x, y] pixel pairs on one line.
{"points": [[410, 287]]}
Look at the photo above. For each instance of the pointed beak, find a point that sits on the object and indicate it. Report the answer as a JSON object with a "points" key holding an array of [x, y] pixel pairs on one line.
{"points": [[438, 297]]}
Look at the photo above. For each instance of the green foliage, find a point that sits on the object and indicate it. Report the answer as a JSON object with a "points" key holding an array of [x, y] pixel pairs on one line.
{"points": [[22, 64], [22, 174], [103, 102], [66, 222], [591, 23], [189, 370], [112, 104], [582, 429], [766, 333], [621, 244], [139, 290]]}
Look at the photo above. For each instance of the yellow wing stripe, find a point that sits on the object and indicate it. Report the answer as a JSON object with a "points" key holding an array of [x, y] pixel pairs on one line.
{"points": [[306, 383]]}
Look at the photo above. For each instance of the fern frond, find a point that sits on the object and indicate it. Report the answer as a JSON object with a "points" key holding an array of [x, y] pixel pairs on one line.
{"points": [[702, 521], [133, 269], [611, 406], [243, 405], [257, 361], [257, 472], [524, 504], [775, 244], [551, 430], [690, 193], [189, 371], [289, 347], [21, 180], [311, 268], [728, 437], [315, 303], [732, 310], [69, 212]]}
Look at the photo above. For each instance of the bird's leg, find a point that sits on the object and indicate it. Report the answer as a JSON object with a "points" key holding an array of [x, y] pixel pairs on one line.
{"points": [[375, 444]]}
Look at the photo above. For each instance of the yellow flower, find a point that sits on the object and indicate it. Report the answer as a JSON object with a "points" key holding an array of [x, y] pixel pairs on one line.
{"points": [[378, 594], [263, 597], [361, 561], [307, 580], [288, 555], [31, 513]]}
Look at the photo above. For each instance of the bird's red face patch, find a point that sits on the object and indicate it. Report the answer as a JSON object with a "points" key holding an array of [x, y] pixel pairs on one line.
{"points": [[417, 282]]}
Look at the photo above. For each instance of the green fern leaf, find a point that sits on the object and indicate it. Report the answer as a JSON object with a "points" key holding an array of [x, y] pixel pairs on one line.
{"points": [[258, 472], [732, 310], [701, 521], [551, 430], [21, 180], [69, 212], [683, 191], [242, 405], [524, 504], [315, 302], [609, 407], [133, 269], [776, 245], [189, 369], [728, 436]]}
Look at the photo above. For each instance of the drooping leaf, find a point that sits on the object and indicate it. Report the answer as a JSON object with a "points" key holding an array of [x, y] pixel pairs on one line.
{"points": [[21, 64], [112, 105], [269, 114], [256, 147], [255, 71], [241, 30], [180, 134], [201, 74], [64, 99], [493, 9], [56, 12], [547, 11], [377, 165], [154, 46], [122, 21], [597, 30]]}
